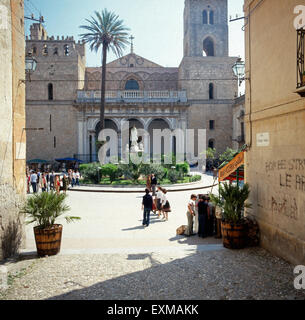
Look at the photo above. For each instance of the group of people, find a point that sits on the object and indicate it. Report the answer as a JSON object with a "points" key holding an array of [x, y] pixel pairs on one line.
{"points": [[156, 203], [201, 217], [51, 181]]}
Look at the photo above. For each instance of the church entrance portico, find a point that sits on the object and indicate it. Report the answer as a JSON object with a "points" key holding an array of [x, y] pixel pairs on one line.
{"points": [[89, 129]]}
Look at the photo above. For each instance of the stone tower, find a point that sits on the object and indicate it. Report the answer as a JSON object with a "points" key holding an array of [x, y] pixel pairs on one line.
{"points": [[206, 28], [51, 93], [206, 71]]}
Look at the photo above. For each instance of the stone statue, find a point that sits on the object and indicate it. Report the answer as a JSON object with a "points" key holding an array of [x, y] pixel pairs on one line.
{"points": [[134, 136]]}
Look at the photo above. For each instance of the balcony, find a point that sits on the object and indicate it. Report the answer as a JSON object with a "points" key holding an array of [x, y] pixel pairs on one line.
{"points": [[131, 96], [301, 62]]}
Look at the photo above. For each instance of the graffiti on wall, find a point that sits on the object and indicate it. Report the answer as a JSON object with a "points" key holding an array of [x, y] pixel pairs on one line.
{"points": [[291, 173], [290, 180]]}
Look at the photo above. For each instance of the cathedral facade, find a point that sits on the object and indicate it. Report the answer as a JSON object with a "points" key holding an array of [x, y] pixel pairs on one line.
{"points": [[63, 95]]}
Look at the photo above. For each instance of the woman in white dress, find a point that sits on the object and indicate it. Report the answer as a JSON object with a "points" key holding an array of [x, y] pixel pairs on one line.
{"points": [[159, 197], [165, 205]]}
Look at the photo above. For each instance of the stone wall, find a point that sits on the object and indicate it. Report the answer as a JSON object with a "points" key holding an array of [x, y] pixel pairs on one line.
{"points": [[195, 76], [275, 115], [65, 71], [195, 32], [238, 119], [150, 76], [12, 114]]}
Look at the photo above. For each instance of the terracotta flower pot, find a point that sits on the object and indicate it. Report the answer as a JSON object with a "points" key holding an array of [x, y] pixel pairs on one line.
{"points": [[48, 240]]}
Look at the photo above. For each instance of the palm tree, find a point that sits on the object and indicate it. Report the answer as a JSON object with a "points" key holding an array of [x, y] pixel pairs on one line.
{"points": [[108, 31]]}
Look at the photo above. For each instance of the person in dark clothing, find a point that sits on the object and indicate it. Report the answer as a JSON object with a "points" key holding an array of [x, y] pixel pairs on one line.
{"points": [[203, 213], [211, 218], [147, 205], [52, 181], [154, 183]]}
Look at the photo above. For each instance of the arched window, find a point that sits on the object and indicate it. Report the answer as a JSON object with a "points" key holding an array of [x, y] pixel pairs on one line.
{"points": [[34, 50], [132, 85], [45, 50], [211, 144], [208, 47], [211, 91], [55, 51], [50, 91], [66, 50], [211, 17], [205, 17]]}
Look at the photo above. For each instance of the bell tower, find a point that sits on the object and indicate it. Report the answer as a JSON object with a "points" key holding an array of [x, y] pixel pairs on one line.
{"points": [[206, 28]]}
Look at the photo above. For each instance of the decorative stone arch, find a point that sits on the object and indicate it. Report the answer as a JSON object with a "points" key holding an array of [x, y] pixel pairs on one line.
{"points": [[132, 76], [209, 46], [168, 121], [210, 14], [211, 143]]}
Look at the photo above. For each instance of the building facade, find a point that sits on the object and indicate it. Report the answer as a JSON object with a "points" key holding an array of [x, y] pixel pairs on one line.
{"points": [[239, 133], [12, 116], [64, 95], [275, 118]]}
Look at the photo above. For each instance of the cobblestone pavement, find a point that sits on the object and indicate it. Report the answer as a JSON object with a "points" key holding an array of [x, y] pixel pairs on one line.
{"points": [[110, 255], [205, 274]]}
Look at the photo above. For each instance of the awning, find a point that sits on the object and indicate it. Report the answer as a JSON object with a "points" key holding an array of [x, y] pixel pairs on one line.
{"points": [[232, 167], [68, 160], [35, 161]]}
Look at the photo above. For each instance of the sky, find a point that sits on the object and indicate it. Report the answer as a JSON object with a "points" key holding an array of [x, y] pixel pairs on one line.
{"points": [[157, 25]]}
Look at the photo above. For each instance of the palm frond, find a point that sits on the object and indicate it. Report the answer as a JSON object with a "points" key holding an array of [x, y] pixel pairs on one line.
{"points": [[45, 208], [105, 29]]}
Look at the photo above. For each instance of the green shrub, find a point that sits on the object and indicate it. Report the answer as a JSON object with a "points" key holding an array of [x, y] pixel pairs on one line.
{"points": [[173, 176], [183, 167], [195, 178], [91, 172], [110, 170]]}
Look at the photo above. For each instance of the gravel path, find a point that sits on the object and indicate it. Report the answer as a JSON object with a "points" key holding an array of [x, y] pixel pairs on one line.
{"points": [[110, 255], [179, 275]]}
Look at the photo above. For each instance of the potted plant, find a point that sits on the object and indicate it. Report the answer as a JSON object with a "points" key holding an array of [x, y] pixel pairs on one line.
{"points": [[44, 209], [232, 200]]}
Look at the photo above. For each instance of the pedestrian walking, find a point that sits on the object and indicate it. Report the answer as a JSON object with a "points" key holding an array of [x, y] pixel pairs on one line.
{"points": [[34, 180], [211, 217], [65, 183], [203, 212], [148, 182], [147, 205], [73, 178], [154, 183], [166, 208], [48, 181], [77, 177], [190, 215], [43, 183], [57, 184], [28, 183], [52, 180], [159, 196], [38, 181]]}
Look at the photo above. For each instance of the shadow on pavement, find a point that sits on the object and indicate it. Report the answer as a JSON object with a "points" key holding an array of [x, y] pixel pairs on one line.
{"points": [[207, 275]]}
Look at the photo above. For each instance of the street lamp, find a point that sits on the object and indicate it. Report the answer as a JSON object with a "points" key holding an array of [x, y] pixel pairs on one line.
{"points": [[239, 70], [30, 66]]}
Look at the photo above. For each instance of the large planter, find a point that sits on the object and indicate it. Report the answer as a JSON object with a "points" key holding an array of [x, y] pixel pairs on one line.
{"points": [[233, 235], [48, 240]]}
